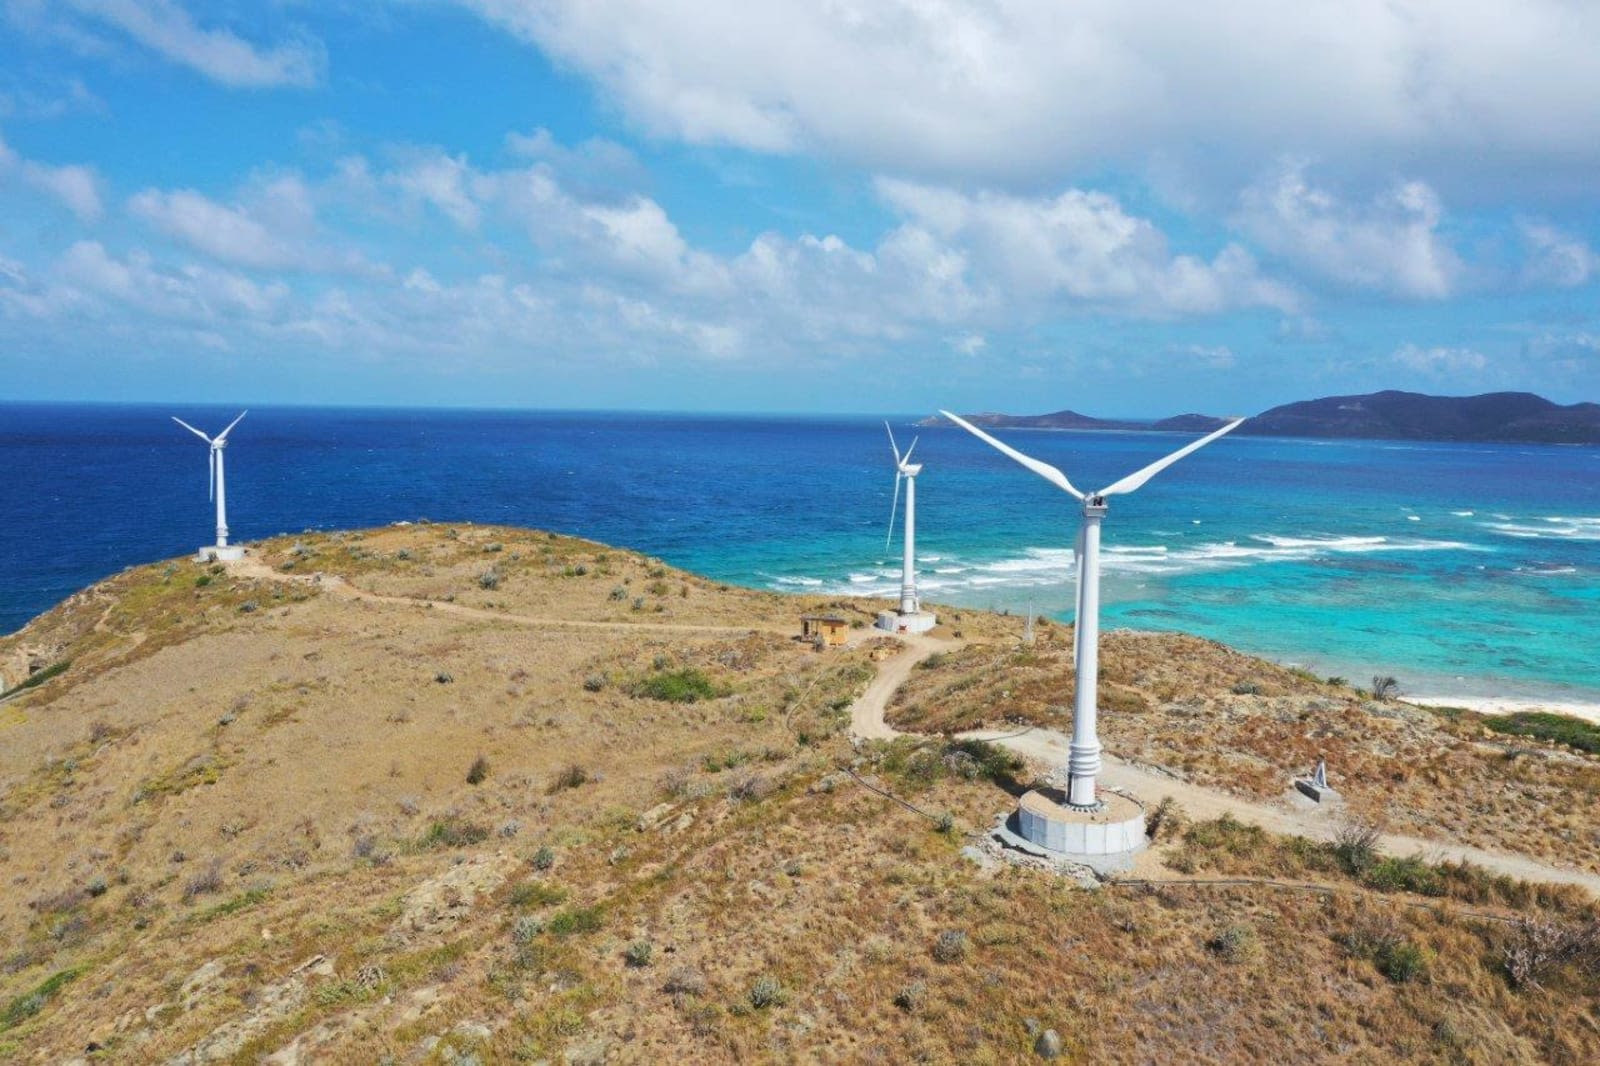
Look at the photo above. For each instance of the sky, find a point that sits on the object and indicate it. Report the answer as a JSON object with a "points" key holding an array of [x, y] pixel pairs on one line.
{"points": [[1124, 208]]}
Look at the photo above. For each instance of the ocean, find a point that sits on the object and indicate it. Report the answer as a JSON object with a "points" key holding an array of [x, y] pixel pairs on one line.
{"points": [[1469, 569]]}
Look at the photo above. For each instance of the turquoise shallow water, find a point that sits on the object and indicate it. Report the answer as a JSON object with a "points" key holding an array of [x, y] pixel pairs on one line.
{"points": [[1467, 569]]}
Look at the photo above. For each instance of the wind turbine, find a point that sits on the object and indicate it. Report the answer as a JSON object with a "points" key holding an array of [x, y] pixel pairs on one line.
{"points": [[1083, 760], [218, 488], [911, 617]]}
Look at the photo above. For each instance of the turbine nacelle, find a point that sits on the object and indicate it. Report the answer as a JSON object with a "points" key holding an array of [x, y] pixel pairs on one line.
{"points": [[215, 445], [1122, 487], [1084, 753]]}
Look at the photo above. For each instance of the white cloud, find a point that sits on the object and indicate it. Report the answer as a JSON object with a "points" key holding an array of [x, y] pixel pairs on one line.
{"points": [[1447, 363], [166, 28], [1390, 245], [1024, 90], [74, 97], [1555, 257], [77, 187], [1082, 248], [272, 227], [440, 181]]}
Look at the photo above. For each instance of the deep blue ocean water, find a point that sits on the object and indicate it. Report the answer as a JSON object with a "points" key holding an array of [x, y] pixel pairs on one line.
{"points": [[1461, 568]]}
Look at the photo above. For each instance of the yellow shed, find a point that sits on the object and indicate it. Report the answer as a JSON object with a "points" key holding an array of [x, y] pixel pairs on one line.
{"points": [[826, 629]]}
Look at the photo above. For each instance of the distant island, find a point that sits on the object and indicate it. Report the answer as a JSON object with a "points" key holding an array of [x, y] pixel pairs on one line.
{"points": [[1388, 415]]}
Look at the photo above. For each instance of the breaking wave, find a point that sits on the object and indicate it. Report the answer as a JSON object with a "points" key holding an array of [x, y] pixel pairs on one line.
{"points": [[1553, 527], [1047, 567]]}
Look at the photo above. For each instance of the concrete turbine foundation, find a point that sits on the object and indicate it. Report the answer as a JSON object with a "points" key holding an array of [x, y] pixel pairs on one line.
{"points": [[221, 553], [1105, 839], [913, 622]]}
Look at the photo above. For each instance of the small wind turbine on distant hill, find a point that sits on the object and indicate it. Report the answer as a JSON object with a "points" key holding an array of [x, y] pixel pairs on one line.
{"points": [[1083, 761], [910, 618], [218, 489]]}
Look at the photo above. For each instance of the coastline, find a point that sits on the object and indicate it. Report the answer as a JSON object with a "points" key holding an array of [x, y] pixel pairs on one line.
{"points": [[1589, 712]]}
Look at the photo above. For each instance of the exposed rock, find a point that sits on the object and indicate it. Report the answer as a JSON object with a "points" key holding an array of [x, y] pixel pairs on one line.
{"points": [[590, 1053], [653, 817], [1048, 1046], [439, 903], [274, 1003]]}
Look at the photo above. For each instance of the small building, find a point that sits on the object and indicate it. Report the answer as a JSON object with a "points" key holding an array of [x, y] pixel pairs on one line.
{"points": [[825, 630]]}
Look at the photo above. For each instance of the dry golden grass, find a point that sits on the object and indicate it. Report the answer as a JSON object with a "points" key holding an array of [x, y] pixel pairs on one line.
{"points": [[211, 797]]}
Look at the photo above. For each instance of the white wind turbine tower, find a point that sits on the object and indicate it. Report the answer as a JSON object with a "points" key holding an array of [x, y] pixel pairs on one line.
{"points": [[219, 490], [1084, 754], [911, 618]]}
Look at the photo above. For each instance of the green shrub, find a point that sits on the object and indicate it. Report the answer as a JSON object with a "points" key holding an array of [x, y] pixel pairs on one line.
{"points": [[1558, 728], [575, 920], [544, 858], [677, 686], [536, 894], [26, 1005], [1236, 943], [639, 954], [1405, 875], [478, 772], [453, 833], [524, 929], [1402, 962], [951, 946], [911, 998], [571, 777], [38, 677], [766, 991]]}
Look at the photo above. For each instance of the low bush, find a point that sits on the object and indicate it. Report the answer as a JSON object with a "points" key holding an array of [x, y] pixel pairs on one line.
{"points": [[1236, 943], [206, 881], [766, 991], [38, 677], [575, 920], [1402, 962], [951, 946], [26, 1005], [677, 686], [453, 833], [1412, 874], [1556, 728], [478, 772], [572, 776], [536, 894]]}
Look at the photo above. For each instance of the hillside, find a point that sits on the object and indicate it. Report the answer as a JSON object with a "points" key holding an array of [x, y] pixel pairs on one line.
{"points": [[1389, 415], [1495, 416], [454, 793]]}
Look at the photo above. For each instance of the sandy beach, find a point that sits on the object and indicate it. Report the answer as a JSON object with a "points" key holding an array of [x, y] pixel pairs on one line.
{"points": [[1589, 712]]}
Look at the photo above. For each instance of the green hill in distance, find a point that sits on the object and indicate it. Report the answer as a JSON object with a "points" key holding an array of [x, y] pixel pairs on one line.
{"points": [[1387, 415]]}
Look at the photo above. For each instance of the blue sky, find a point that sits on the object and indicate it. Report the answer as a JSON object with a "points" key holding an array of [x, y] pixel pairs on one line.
{"points": [[1126, 209]]}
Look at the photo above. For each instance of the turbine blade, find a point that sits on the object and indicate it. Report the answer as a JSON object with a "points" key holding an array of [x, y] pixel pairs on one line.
{"points": [[191, 429], [1139, 477], [894, 508], [906, 459], [211, 468], [224, 434], [892, 446], [1044, 470]]}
